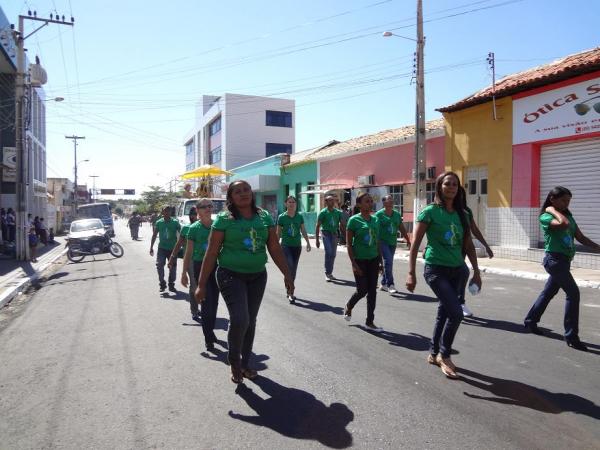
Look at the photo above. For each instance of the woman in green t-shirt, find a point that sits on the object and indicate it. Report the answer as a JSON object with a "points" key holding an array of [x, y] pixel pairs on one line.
{"points": [[560, 232], [290, 225], [197, 243], [239, 240], [362, 236], [448, 235]]}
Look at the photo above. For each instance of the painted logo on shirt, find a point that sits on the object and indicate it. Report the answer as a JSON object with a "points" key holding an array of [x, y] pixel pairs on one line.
{"points": [[369, 238], [451, 236], [291, 231], [251, 242], [568, 241]]}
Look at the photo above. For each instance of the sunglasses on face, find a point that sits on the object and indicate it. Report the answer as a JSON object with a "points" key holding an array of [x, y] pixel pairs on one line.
{"points": [[205, 206]]}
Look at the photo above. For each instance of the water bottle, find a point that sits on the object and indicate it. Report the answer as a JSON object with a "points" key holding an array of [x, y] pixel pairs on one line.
{"points": [[473, 288]]}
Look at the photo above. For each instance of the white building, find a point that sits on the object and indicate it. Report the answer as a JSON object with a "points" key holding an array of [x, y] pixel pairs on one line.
{"points": [[233, 130]]}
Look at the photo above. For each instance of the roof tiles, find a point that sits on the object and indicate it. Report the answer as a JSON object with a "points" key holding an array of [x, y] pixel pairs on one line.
{"points": [[561, 69]]}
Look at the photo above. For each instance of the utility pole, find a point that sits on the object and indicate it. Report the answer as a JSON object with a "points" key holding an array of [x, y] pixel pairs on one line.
{"points": [[74, 139], [491, 60], [94, 187], [420, 138], [23, 169]]}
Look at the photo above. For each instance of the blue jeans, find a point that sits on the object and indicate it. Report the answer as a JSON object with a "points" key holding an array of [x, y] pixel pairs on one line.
{"points": [[209, 305], [243, 293], [558, 267], [387, 252], [162, 257], [445, 283], [292, 256], [463, 283], [330, 241]]}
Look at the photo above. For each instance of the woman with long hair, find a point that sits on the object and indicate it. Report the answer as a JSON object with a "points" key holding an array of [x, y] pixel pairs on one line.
{"points": [[448, 235], [362, 236], [290, 225], [197, 243], [560, 232], [239, 240]]}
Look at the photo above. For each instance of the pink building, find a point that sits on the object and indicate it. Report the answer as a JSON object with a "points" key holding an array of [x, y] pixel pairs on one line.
{"points": [[383, 163]]}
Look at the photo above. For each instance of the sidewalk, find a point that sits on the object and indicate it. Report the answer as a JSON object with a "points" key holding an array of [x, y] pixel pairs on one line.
{"points": [[16, 276], [588, 278]]}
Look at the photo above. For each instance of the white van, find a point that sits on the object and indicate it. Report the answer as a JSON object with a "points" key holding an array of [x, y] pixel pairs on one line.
{"points": [[185, 205]]}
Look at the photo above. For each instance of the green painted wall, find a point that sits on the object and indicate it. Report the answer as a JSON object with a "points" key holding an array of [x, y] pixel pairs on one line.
{"points": [[304, 174]]}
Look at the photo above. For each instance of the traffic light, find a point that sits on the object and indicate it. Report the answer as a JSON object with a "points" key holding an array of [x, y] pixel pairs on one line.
{"points": [[129, 191], [107, 192]]}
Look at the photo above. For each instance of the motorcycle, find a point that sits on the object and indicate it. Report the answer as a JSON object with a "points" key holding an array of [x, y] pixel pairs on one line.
{"points": [[89, 237]]}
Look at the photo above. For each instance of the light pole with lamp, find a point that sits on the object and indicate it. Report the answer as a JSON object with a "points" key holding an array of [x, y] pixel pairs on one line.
{"points": [[420, 192]]}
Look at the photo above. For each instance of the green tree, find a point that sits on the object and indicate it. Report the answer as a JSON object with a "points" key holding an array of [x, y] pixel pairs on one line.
{"points": [[156, 198]]}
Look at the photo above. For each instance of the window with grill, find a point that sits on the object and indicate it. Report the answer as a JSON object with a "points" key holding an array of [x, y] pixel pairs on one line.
{"points": [[279, 119]]}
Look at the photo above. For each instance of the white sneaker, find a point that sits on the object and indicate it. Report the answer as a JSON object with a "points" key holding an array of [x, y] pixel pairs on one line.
{"points": [[328, 277], [392, 289], [466, 311], [384, 288]]}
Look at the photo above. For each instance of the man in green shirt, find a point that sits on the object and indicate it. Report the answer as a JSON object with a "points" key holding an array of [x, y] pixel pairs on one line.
{"points": [[166, 229], [330, 220], [390, 221]]}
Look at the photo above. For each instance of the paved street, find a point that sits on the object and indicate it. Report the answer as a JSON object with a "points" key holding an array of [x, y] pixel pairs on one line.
{"points": [[96, 358]]}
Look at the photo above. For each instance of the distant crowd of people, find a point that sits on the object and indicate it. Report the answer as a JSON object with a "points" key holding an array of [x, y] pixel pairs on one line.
{"points": [[227, 256]]}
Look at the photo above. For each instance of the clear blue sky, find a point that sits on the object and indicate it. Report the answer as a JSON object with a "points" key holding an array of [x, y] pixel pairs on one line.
{"points": [[132, 71]]}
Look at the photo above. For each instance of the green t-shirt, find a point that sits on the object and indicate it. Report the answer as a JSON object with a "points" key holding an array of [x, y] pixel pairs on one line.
{"points": [[244, 246], [366, 236], [184, 230], [388, 226], [167, 232], [444, 236], [330, 220], [198, 233], [290, 237], [559, 241]]}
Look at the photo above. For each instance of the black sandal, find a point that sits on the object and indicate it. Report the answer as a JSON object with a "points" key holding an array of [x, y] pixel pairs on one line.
{"points": [[237, 375]]}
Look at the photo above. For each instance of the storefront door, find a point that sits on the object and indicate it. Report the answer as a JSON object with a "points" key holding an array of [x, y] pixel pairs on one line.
{"points": [[270, 204], [476, 187]]}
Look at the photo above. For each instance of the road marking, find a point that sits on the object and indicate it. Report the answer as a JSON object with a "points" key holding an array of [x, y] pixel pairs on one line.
{"points": [[591, 305]]}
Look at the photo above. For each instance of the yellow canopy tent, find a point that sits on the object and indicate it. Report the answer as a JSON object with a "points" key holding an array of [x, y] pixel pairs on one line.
{"points": [[203, 174]]}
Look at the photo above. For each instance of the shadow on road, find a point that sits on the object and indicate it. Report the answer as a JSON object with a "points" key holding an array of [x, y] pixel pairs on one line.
{"points": [[343, 282], [319, 307], [510, 392], [414, 297], [42, 283], [411, 341], [257, 362], [296, 414], [519, 328]]}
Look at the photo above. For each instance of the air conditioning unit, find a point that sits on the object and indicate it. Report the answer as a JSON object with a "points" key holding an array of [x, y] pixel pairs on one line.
{"points": [[366, 180]]}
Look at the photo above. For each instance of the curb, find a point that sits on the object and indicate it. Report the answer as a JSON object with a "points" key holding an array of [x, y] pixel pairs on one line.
{"points": [[499, 271], [26, 281]]}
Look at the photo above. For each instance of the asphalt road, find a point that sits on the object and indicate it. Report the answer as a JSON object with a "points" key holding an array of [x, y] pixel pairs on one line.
{"points": [[97, 358]]}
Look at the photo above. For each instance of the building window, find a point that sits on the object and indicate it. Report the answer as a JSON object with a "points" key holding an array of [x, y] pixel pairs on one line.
{"points": [[310, 199], [397, 193], [274, 149], [189, 166], [297, 195], [287, 191], [214, 156], [430, 192], [189, 147], [279, 119], [215, 127]]}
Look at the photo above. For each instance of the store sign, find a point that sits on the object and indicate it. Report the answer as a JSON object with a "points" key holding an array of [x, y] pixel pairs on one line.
{"points": [[9, 164], [562, 112]]}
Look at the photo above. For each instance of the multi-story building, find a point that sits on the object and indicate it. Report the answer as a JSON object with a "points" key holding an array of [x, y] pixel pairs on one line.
{"points": [[60, 201], [35, 131], [234, 130]]}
